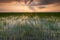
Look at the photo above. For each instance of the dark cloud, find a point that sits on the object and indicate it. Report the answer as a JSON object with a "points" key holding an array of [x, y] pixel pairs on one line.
{"points": [[3, 1], [49, 1], [6, 1], [42, 1]]}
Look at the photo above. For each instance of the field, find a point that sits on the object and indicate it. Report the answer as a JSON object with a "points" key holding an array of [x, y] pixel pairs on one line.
{"points": [[29, 26]]}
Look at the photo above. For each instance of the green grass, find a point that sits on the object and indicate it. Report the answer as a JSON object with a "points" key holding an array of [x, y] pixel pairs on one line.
{"points": [[30, 26]]}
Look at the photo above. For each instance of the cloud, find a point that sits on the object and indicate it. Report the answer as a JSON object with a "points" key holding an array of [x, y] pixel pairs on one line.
{"points": [[43, 2], [49, 1], [3, 1]]}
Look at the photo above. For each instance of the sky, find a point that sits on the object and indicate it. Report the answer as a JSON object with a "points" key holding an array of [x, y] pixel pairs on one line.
{"points": [[43, 1], [13, 5]]}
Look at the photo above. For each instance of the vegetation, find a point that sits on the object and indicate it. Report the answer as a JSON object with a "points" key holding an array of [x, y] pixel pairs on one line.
{"points": [[29, 27]]}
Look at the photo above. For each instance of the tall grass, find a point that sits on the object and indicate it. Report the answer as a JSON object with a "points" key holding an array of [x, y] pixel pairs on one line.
{"points": [[26, 27]]}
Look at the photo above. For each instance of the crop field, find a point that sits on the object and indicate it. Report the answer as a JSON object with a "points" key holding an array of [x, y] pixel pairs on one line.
{"points": [[29, 26]]}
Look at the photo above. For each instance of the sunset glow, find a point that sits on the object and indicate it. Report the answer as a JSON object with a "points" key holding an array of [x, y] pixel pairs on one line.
{"points": [[15, 6]]}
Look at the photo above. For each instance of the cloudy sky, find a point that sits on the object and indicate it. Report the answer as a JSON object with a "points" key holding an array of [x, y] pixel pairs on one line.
{"points": [[14, 6], [43, 1]]}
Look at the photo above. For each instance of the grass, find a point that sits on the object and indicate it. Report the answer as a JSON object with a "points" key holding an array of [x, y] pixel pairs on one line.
{"points": [[31, 26]]}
